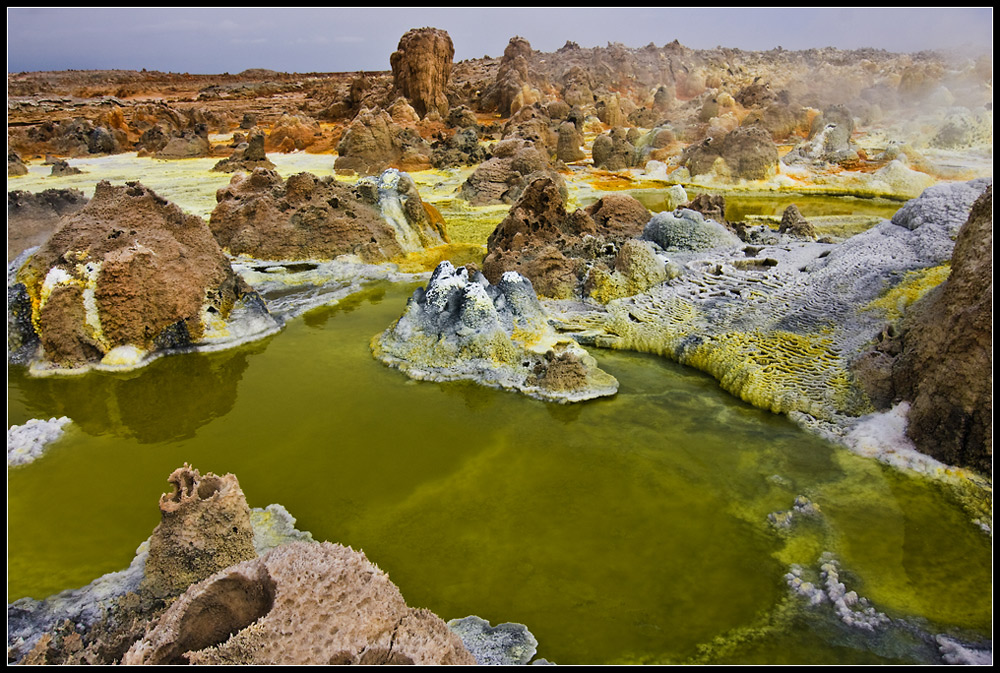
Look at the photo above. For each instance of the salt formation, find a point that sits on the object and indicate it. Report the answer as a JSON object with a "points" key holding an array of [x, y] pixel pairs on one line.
{"points": [[779, 325], [853, 610], [27, 442], [127, 276], [421, 66], [501, 645], [462, 328]]}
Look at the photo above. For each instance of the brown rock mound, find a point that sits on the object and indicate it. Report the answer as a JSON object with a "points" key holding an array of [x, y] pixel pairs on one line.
{"points": [[306, 217], [502, 178], [554, 249], [128, 269], [946, 365], [748, 153], [204, 528], [247, 156], [300, 604], [373, 142], [421, 66]]}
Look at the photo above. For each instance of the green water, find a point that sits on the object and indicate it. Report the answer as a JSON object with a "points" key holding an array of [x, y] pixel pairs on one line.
{"points": [[631, 529]]}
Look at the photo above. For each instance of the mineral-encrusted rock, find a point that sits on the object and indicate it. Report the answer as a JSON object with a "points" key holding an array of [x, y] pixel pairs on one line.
{"points": [[532, 124], [687, 230], [462, 149], [569, 145], [829, 139], [553, 248], [130, 274], [612, 151], [291, 133], [795, 224], [204, 528], [501, 645], [945, 368], [33, 216], [189, 144], [464, 328], [247, 156], [747, 153], [15, 165], [636, 268], [373, 142], [502, 178], [421, 66], [512, 75], [298, 604], [306, 217], [61, 167]]}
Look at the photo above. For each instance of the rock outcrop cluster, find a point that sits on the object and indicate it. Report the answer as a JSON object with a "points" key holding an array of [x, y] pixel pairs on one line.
{"points": [[219, 583], [304, 217], [126, 276], [557, 250], [461, 327]]}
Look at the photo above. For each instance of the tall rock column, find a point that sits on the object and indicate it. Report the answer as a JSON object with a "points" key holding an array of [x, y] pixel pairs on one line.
{"points": [[421, 66]]}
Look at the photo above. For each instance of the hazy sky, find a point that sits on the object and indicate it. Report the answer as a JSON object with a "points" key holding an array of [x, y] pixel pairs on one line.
{"points": [[218, 40]]}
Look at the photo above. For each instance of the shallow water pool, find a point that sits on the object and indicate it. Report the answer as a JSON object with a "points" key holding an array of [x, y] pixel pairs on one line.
{"points": [[631, 529]]}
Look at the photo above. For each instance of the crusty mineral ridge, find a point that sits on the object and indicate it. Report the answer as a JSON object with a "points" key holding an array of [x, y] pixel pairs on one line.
{"points": [[247, 156], [306, 217], [300, 604], [554, 249], [497, 335], [779, 325], [945, 368], [204, 527], [129, 274], [421, 66]]}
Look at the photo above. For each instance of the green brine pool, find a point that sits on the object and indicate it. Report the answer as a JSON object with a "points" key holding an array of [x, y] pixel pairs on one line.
{"points": [[625, 530]]}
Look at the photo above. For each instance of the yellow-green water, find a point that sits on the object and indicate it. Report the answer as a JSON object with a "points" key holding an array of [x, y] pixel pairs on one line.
{"points": [[631, 529]]}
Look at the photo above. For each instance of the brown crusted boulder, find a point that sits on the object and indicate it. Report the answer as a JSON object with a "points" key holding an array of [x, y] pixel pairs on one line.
{"points": [[747, 153], [569, 145], [502, 178], [421, 66], [553, 248], [189, 144], [293, 132], [298, 604], [131, 273], [247, 156], [373, 142], [306, 217], [15, 165], [795, 224], [945, 369], [204, 528], [612, 151]]}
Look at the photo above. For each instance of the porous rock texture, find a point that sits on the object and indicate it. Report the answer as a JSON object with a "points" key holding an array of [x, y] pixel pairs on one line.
{"points": [[555, 249], [945, 368], [204, 527], [503, 177], [461, 327], [299, 604], [306, 217], [780, 325], [129, 274], [421, 66]]}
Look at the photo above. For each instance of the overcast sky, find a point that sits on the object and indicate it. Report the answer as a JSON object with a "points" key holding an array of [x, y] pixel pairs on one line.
{"points": [[217, 40]]}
